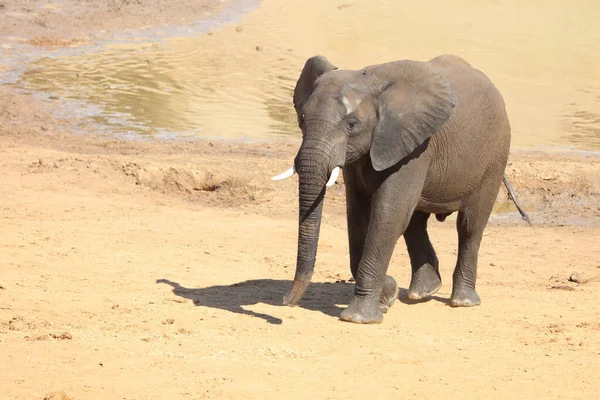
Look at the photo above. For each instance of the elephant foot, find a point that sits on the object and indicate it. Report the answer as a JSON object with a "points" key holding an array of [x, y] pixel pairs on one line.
{"points": [[389, 294], [363, 310], [464, 298], [425, 281]]}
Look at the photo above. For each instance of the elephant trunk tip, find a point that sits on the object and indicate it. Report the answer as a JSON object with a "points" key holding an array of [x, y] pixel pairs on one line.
{"points": [[290, 299], [296, 292]]}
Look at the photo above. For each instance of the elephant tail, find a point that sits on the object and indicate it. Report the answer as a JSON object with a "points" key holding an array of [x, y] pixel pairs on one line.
{"points": [[511, 193]]}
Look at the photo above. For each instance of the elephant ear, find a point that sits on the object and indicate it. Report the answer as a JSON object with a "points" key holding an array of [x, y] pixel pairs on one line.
{"points": [[414, 103], [313, 68]]}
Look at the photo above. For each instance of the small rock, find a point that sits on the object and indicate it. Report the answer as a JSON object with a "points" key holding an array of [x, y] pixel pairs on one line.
{"points": [[60, 395], [563, 287], [239, 29], [575, 277], [62, 336], [169, 321], [259, 48], [115, 307], [2, 286]]}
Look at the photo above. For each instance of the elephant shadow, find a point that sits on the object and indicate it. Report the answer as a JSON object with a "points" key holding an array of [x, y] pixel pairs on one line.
{"points": [[323, 297]]}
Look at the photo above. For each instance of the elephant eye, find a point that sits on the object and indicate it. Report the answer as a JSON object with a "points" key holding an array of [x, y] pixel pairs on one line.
{"points": [[351, 125]]}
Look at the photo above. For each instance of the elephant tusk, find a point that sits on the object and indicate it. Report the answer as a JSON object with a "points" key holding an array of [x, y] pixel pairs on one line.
{"points": [[334, 175], [285, 174]]}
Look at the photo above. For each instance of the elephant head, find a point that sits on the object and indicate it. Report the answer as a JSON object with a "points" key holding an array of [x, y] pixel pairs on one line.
{"points": [[384, 111]]}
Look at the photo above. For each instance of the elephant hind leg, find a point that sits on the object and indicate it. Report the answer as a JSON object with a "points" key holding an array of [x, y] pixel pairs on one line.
{"points": [[471, 222], [426, 278]]}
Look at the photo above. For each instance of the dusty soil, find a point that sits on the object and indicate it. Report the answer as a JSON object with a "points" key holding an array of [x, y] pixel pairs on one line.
{"points": [[155, 270]]}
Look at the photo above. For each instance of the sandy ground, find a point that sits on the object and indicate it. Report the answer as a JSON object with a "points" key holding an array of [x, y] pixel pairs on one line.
{"points": [[155, 270]]}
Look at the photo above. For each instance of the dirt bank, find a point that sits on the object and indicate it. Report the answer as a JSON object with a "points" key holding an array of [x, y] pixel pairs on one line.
{"points": [[71, 22], [156, 270]]}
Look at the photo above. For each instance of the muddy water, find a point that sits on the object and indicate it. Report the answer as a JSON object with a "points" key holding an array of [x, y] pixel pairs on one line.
{"points": [[544, 55]]}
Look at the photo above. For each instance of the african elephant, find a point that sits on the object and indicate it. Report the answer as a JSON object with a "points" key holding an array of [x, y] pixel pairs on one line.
{"points": [[412, 139]]}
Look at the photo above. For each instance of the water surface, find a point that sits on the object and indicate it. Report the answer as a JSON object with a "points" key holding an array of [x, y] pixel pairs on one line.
{"points": [[237, 82]]}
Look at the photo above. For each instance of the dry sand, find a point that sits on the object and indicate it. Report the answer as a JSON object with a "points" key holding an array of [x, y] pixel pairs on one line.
{"points": [[155, 270]]}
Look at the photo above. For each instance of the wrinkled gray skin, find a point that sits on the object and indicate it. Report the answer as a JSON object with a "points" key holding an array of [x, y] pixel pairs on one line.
{"points": [[413, 139]]}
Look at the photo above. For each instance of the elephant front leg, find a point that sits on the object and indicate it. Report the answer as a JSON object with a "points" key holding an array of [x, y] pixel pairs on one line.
{"points": [[374, 291], [358, 208]]}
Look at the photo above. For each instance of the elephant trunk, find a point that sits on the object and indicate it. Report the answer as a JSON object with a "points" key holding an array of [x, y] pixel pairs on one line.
{"points": [[313, 167]]}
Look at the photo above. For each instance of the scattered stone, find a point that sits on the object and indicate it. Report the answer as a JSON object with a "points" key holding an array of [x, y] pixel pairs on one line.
{"points": [[556, 328], [168, 321], [62, 336], [114, 307], [16, 323], [38, 163], [60, 395], [575, 277], [239, 29]]}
